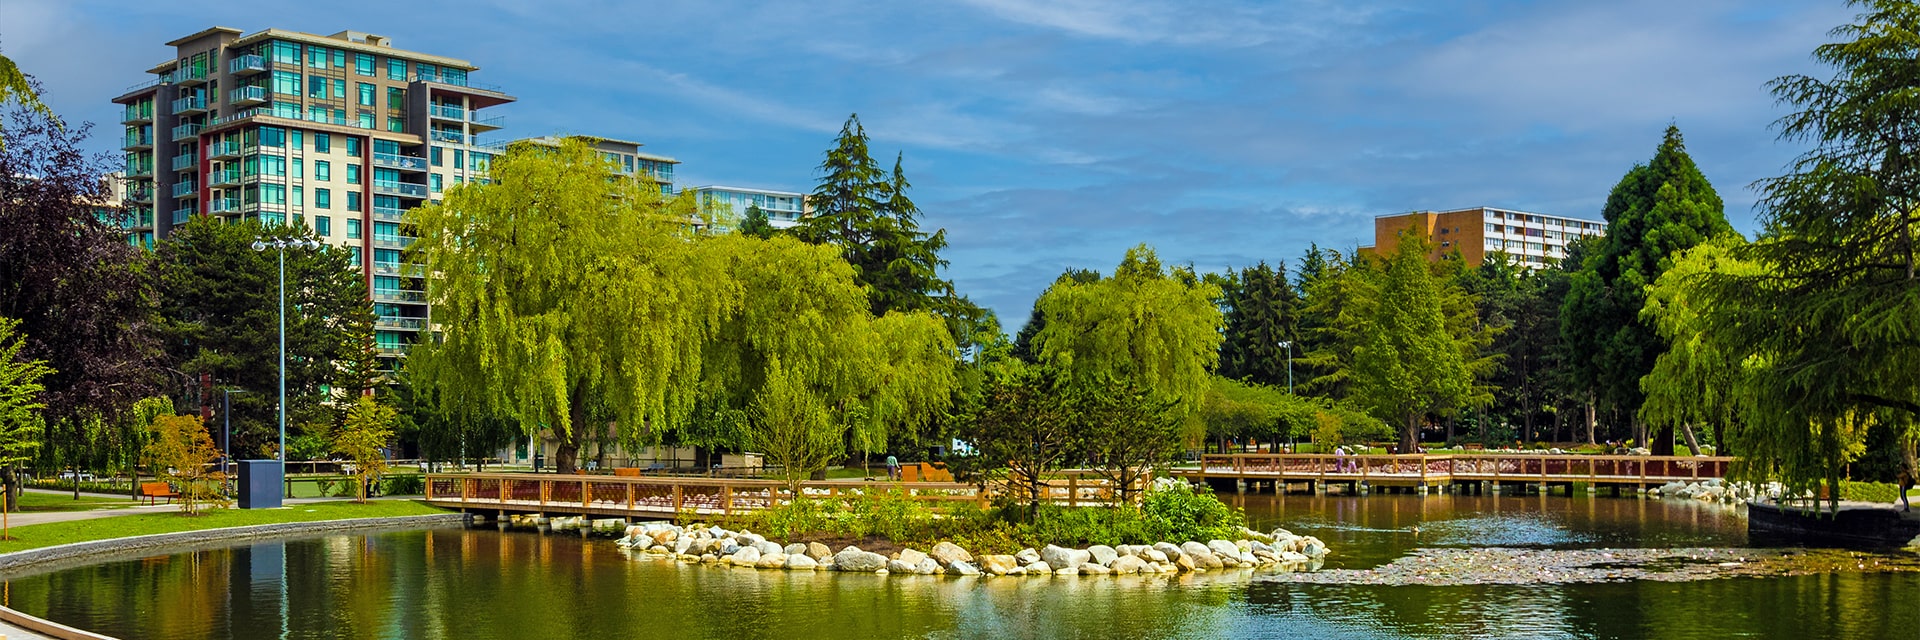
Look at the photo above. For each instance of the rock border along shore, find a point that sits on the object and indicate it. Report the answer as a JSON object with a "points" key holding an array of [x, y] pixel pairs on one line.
{"points": [[706, 545]]}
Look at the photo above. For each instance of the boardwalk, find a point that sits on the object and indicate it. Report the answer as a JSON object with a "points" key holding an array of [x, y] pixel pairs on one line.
{"points": [[643, 497], [1428, 470]]}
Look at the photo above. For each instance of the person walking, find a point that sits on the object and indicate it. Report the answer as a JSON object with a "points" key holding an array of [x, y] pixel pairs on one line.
{"points": [[893, 468]]}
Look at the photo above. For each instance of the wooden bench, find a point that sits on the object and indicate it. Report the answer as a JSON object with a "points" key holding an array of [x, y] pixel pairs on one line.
{"points": [[155, 490]]}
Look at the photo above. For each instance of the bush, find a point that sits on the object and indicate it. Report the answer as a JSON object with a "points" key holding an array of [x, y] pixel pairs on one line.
{"points": [[1869, 491], [1176, 511], [405, 485]]}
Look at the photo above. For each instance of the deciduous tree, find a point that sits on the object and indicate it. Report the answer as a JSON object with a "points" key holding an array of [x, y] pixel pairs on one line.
{"points": [[364, 437], [183, 454], [21, 424]]}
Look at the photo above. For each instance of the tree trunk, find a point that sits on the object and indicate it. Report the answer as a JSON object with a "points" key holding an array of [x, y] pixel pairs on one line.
{"points": [[1692, 442], [1662, 441], [1591, 439], [1451, 420], [1720, 445], [1410, 436]]}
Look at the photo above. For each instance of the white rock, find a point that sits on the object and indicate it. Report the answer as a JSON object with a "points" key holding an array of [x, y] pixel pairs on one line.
{"points": [[911, 556], [1223, 549], [948, 553], [1128, 564], [1156, 555], [771, 561], [899, 566], [795, 549], [962, 568], [1102, 555], [1039, 567], [1027, 556], [927, 567], [767, 548], [745, 556], [1063, 558], [800, 562]]}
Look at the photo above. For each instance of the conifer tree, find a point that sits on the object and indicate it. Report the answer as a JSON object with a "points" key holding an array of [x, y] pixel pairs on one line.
{"points": [[1656, 211]]}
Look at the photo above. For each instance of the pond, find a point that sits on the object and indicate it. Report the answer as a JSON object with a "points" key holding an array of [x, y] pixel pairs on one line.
{"points": [[479, 584]]}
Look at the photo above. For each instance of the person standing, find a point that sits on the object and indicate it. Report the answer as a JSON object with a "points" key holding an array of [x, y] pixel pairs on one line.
{"points": [[893, 468]]}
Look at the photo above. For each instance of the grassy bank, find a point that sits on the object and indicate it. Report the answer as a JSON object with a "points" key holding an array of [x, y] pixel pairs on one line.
{"points": [[36, 502], [46, 535]]}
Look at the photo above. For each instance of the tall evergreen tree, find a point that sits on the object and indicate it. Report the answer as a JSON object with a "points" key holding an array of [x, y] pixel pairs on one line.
{"points": [[219, 308], [1023, 347], [1657, 210], [866, 212], [755, 223], [1261, 315]]}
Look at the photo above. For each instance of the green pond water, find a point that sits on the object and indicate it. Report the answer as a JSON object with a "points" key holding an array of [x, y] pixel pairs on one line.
{"points": [[481, 584]]}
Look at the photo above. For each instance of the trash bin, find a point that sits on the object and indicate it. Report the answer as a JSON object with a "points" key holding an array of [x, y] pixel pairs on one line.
{"points": [[261, 484]]}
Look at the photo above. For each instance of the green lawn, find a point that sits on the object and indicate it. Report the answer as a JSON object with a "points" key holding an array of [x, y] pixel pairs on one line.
{"points": [[33, 502], [44, 535]]}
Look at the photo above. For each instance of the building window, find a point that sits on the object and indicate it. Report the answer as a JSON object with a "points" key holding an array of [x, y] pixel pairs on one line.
{"points": [[317, 88], [396, 124], [339, 89], [353, 174], [286, 82], [456, 158], [366, 120], [396, 69], [322, 225], [363, 64], [322, 199], [322, 170], [299, 197], [353, 147], [353, 201], [433, 156], [299, 167], [322, 143], [353, 229], [435, 180], [340, 59], [396, 98], [273, 165], [366, 94], [426, 71], [273, 194], [284, 52], [317, 57]]}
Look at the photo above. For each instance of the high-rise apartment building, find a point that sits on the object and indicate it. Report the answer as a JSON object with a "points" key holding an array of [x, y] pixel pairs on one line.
{"points": [[1534, 239], [626, 157], [783, 208], [341, 133]]}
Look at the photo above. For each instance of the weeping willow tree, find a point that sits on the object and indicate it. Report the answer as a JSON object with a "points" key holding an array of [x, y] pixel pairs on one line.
{"points": [[1825, 317], [568, 295], [1146, 331], [803, 322]]}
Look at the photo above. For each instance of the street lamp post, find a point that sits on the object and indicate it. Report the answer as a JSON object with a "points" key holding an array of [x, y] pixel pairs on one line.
{"points": [[1288, 345], [281, 245], [226, 417]]}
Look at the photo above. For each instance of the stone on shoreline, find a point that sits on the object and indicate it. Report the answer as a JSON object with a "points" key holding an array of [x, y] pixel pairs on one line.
{"points": [[1103, 555], [962, 568], [745, 557], [1094, 569], [795, 549], [1128, 564], [1038, 567], [999, 565], [948, 553], [771, 561], [818, 551], [1027, 556], [853, 559], [1062, 558], [800, 562]]}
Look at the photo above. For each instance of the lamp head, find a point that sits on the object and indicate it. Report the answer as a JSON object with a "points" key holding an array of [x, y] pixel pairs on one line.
{"points": [[259, 246]]}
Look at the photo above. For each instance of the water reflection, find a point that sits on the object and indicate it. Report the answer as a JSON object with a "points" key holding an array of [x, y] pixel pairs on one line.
{"points": [[482, 584]]}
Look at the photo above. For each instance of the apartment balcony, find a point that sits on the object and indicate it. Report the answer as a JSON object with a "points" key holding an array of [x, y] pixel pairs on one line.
{"points": [[247, 96], [390, 351], [136, 115], [447, 112], [247, 65], [223, 206], [181, 215], [186, 162], [143, 195], [188, 76], [399, 295], [450, 137], [399, 323], [385, 241], [220, 150], [397, 161], [186, 131], [406, 269], [189, 105], [142, 139], [227, 177], [248, 113], [402, 189], [486, 123], [389, 214], [186, 189], [139, 171]]}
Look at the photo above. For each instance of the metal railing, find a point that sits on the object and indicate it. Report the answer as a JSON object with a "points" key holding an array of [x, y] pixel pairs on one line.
{"points": [[189, 103], [407, 269], [181, 215], [247, 95], [224, 205], [388, 214], [142, 138], [397, 161], [449, 112], [229, 175], [399, 295], [390, 241], [135, 114], [186, 189], [186, 161], [407, 189], [454, 137], [186, 132], [249, 63], [399, 322], [224, 149]]}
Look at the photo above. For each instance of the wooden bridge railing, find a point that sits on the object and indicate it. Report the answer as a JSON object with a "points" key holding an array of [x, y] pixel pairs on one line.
{"points": [[667, 495], [1446, 467]]}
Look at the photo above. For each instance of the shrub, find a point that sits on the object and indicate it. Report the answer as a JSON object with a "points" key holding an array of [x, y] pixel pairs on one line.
{"points": [[1869, 491], [403, 485], [1176, 511]]}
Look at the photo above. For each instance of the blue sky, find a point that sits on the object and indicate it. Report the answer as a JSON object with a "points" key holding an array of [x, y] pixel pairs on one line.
{"points": [[1044, 135]]}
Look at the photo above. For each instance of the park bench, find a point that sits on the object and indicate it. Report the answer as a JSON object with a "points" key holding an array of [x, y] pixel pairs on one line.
{"points": [[155, 490]]}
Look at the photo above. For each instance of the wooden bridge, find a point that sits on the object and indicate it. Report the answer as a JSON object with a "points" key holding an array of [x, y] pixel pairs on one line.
{"points": [[660, 497], [1429, 470]]}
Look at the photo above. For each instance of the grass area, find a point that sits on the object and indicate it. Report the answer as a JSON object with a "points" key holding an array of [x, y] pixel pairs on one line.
{"points": [[46, 535], [36, 502]]}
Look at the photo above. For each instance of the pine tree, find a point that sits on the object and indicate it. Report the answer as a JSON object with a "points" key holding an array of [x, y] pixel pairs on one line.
{"points": [[1656, 211], [755, 223], [1261, 315]]}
